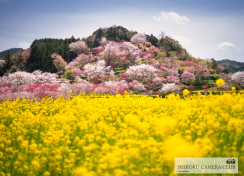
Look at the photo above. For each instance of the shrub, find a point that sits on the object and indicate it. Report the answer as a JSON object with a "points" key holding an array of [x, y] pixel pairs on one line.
{"points": [[96, 80], [191, 88], [69, 75]]}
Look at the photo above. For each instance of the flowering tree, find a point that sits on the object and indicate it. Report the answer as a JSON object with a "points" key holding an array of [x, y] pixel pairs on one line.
{"points": [[58, 62], [25, 55], [79, 61], [2, 63], [44, 77], [98, 49], [141, 72], [148, 56], [137, 86], [188, 77], [111, 52], [170, 87], [98, 70], [190, 69], [225, 76], [117, 86], [205, 86], [163, 68], [78, 47], [103, 41], [238, 77], [154, 48], [128, 47], [77, 71], [139, 39], [173, 79], [188, 63], [123, 76], [130, 50], [172, 72], [102, 89], [86, 88], [114, 86], [159, 80], [23, 78]]}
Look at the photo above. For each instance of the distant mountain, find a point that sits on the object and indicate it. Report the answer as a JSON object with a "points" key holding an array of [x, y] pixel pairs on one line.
{"points": [[231, 66], [12, 51]]}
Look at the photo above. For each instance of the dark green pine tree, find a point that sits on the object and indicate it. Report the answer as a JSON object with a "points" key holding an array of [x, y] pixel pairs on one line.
{"points": [[153, 40], [214, 63], [99, 36], [66, 56], [43, 57], [109, 34], [72, 39], [8, 60]]}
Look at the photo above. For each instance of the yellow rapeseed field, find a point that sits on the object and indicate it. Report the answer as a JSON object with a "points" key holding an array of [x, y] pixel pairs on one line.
{"points": [[118, 135]]}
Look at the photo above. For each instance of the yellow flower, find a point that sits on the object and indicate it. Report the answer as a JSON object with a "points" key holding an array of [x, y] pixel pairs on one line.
{"points": [[171, 96], [233, 88], [186, 92], [220, 83], [46, 173]]}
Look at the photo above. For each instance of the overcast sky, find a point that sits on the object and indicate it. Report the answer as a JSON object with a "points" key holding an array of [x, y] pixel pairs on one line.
{"points": [[206, 28]]}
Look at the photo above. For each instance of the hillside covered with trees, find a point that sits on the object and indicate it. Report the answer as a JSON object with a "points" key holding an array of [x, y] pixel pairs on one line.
{"points": [[61, 67], [231, 66], [39, 54], [13, 51]]}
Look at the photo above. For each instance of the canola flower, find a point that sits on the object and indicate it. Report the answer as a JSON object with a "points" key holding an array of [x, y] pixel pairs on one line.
{"points": [[186, 92], [220, 82], [118, 135]]}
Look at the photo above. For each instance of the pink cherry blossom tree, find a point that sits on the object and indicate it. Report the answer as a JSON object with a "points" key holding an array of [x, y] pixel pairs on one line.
{"points": [[78, 47], [141, 72], [139, 39], [188, 77]]}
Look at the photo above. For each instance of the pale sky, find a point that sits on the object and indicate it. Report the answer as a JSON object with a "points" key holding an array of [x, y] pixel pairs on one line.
{"points": [[206, 28]]}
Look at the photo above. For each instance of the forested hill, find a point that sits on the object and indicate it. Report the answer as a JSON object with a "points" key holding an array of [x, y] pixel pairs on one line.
{"points": [[39, 55], [120, 33], [13, 51], [231, 66], [41, 50]]}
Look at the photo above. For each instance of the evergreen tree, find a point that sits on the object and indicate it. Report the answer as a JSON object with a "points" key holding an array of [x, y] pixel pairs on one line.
{"points": [[153, 40], [99, 35], [8, 60], [43, 57], [214, 63]]}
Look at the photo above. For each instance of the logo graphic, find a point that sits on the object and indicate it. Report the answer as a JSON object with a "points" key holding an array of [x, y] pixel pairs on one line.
{"points": [[230, 161]]}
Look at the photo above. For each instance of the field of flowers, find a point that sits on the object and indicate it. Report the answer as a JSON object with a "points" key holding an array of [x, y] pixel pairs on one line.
{"points": [[118, 134]]}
